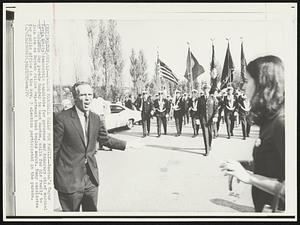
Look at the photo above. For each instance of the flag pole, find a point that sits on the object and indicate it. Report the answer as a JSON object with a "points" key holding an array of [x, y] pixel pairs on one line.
{"points": [[190, 69], [158, 69], [227, 63]]}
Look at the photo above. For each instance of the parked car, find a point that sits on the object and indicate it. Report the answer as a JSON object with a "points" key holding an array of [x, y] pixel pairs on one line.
{"points": [[121, 116]]}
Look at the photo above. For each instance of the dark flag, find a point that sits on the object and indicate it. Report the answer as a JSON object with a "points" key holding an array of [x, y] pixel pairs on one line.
{"points": [[243, 64], [213, 70], [166, 72], [193, 68], [227, 73]]}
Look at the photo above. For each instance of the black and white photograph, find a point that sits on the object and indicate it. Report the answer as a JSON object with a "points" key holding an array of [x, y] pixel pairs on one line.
{"points": [[150, 110]]}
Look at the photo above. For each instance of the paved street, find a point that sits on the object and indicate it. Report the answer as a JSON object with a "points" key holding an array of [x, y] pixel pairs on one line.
{"points": [[170, 174]]}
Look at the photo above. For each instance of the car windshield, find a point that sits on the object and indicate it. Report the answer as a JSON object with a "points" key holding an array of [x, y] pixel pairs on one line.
{"points": [[116, 108]]}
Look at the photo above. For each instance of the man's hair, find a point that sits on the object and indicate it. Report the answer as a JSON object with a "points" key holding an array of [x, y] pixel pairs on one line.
{"points": [[75, 87], [268, 75]]}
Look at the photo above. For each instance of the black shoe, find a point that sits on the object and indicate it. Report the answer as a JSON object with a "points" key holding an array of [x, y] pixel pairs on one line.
{"points": [[176, 135], [195, 135], [148, 134], [165, 133], [206, 154], [247, 135], [158, 135], [144, 136], [228, 137], [244, 138], [231, 134]]}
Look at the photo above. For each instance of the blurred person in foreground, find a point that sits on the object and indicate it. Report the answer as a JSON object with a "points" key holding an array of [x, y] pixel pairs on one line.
{"points": [[265, 89], [76, 132]]}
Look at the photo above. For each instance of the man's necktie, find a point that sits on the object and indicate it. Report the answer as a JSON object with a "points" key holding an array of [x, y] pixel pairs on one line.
{"points": [[86, 127]]}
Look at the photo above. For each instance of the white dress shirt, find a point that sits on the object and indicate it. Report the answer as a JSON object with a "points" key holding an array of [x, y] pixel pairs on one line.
{"points": [[82, 121]]}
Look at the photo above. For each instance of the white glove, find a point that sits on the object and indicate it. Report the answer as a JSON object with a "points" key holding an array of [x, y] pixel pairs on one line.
{"points": [[215, 119]]}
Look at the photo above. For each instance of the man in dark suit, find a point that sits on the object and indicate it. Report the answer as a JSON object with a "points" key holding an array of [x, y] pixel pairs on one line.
{"points": [[161, 107], [178, 106], [147, 107], [194, 112], [76, 132], [229, 109], [208, 108]]}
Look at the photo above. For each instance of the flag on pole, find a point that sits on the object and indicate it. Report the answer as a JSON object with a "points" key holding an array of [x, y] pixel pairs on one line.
{"points": [[193, 68], [227, 73], [243, 64], [213, 70], [166, 72]]}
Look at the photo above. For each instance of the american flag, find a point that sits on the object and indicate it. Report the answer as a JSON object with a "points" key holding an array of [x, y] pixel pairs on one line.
{"points": [[166, 72]]}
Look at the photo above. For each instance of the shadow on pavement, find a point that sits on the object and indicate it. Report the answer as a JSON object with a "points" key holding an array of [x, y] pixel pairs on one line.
{"points": [[179, 149], [234, 206]]}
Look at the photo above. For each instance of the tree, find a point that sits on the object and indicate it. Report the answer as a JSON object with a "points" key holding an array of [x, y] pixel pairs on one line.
{"points": [[138, 71], [116, 61], [106, 56]]}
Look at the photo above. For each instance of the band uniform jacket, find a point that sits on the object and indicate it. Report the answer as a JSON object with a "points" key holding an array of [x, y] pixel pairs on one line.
{"points": [[193, 103], [207, 109], [186, 104], [71, 152], [180, 103], [242, 103], [163, 107], [227, 104], [147, 107]]}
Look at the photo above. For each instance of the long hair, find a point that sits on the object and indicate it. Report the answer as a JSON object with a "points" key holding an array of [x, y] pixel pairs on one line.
{"points": [[268, 75]]}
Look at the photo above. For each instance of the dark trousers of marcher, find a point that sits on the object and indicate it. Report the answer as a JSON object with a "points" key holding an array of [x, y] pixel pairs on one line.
{"points": [[146, 125], [178, 122], [161, 120], [195, 126], [186, 118], [229, 120], [87, 198], [214, 129], [219, 120], [246, 126], [207, 136]]}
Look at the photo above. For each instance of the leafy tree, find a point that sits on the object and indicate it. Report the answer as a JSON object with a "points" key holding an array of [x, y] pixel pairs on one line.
{"points": [[138, 71]]}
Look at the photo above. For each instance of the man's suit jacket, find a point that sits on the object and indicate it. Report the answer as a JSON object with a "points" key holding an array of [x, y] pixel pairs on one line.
{"points": [[194, 114], [179, 101], [226, 105], [165, 107], [207, 109], [147, 107], [70, 151]]}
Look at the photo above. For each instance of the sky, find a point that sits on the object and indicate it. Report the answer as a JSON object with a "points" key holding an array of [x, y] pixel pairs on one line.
{"points": [[169, 36]]}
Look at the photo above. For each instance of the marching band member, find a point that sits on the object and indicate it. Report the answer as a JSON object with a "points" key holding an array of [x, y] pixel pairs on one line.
{"points": [[178, 107], [229, 108], [214, 93], [244, 110], [161, 107], [220, 99], [146, 108], [186, 101], [208, 106], [194, 112]]}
